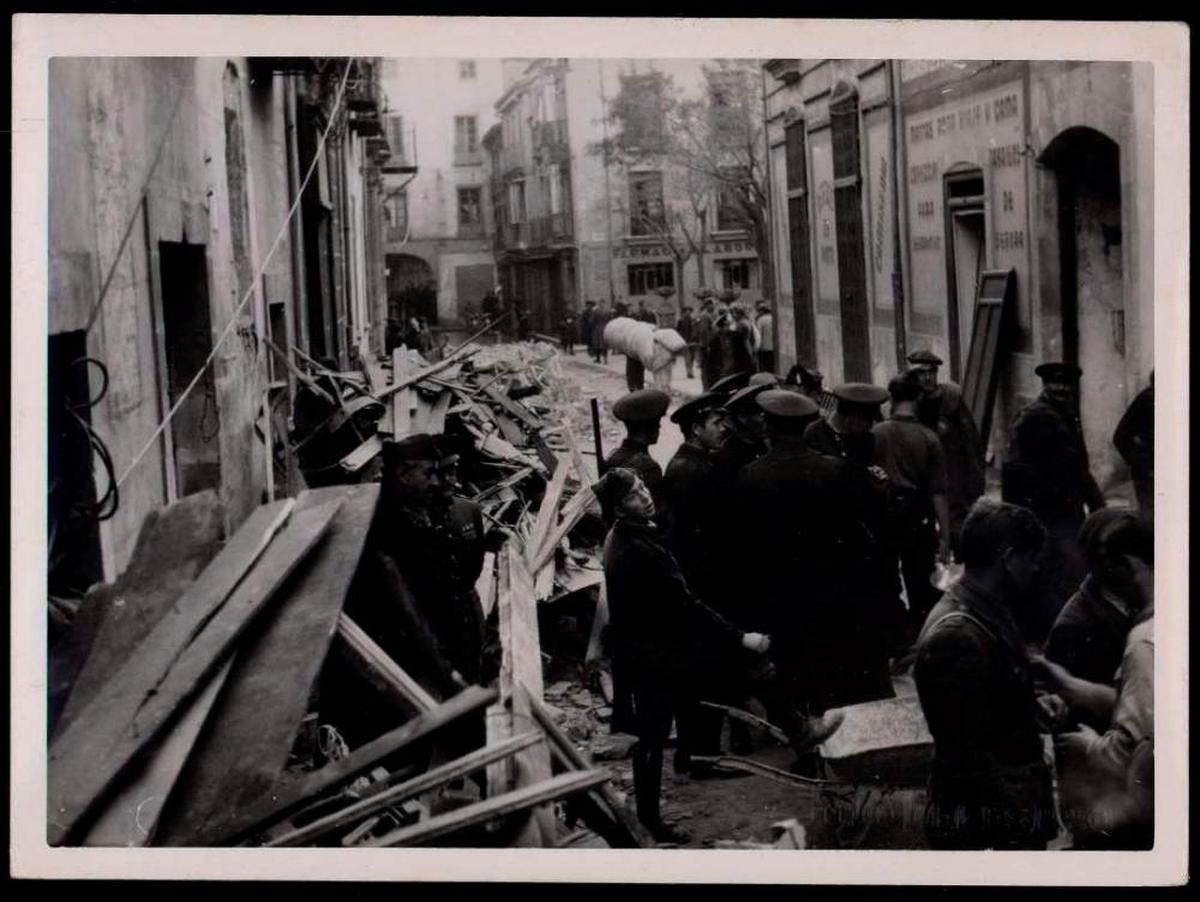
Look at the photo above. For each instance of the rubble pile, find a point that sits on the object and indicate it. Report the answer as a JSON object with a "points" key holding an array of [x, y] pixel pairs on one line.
{"points": [[194, 713]]}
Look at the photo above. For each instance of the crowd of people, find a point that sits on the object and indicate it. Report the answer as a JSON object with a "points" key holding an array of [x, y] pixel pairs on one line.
{"points": [[838, 525]]}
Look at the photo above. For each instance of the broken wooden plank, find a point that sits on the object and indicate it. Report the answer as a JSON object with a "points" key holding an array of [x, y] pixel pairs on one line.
{"points": [[403, 400], [485, 586], [407, 790], [131, 818], [413, 378], [582, 472], [519, 800], [245, 746], [543, 582], [618, 825], [362, 455], [507, 482], [514, 408], [174, 545], [378, 668], [599, 621], [286, 799], [572, 513], [97, 747], [546, 517], [437, 415]]}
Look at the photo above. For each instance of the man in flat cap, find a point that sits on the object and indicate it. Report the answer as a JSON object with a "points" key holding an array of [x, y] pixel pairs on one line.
{"points": [[919, 518], [1046, 469], [655, 616], [799, 512], [942, 409]]}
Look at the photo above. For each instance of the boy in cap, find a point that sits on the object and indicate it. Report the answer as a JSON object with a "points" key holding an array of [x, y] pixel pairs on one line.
{"points": [[798, 515], [655, 617], [919, 519], [942, 409], [641, 412], [1046, 470]]}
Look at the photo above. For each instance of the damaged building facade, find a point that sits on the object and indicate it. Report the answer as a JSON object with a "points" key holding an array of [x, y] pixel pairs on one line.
{"points": [[169, 182], [898, 185]]}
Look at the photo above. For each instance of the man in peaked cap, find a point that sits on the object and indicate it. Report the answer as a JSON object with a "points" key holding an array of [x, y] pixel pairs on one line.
{"points": [[1046, 469], [797, 514], [641, 412], [727, 385], [942, 409], [918, 516]]}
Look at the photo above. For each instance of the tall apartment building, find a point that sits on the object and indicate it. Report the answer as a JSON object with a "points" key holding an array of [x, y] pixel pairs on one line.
{"points": [[897, 185], [574, 223], [438, 230]]}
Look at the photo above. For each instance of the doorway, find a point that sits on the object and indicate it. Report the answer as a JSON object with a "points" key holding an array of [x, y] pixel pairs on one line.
{"points": [[847, 200], [187, 336], [965, 252]]}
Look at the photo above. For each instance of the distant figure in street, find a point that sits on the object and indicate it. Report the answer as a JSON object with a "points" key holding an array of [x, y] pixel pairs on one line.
{"points": [[635, 373], [596, 346], [393, 336], [1134, 439], [765, 323], [704, 334], [490, 306], [587, 323], [1046, 470], [990, 786], [686, 327], [412, 334], [644, 314], [522, 315], [942, 409], [568, 333], [425, 342]]}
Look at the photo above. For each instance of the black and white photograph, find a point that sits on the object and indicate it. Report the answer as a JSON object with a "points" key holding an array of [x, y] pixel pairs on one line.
{"points": [[588, 452]]}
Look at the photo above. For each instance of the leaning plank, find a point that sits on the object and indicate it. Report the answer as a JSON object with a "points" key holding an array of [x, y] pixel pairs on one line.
{"points": [[485, 586], [513, 408], [572, 512], [414, 378], [582, 472], [409, 789], [365, 655], [437, 416], [362, 455], [291, 796], [481, 812], [629, 832], [94, 750], [174, 545], [131, 818], [245, 746], [546, 517]]}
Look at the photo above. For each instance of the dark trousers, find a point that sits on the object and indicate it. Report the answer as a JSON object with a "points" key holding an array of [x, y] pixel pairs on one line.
{"points": [[622, 720], [914, 538], [656, 698], [689, 360], [766, 361], [635, 373]]}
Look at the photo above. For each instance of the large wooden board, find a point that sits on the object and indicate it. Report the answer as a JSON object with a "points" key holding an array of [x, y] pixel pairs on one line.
{"points": [[174, 544], [252, 729], [93, 751]]}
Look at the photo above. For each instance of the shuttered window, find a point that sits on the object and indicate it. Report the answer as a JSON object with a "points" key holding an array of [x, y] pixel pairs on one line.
{"points": [[796, 180]]}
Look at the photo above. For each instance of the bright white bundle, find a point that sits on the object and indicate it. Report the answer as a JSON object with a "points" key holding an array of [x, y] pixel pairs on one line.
{"points": [[654, 347]]}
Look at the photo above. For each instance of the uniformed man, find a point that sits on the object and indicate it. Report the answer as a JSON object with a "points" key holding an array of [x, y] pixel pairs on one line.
{"points": [[746, 440], [686, 327], [942, 409], [705, 326], [587, 322], [414, 592], [641, 412], [919, 519], [798, 514], [655, 618], [1134, 439], [1046, 470]]}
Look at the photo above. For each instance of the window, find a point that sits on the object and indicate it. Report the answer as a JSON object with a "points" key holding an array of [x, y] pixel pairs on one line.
{"points": [[741, 273], [395, 211], [555, 180], [728, 99], [641, 111], [470, 209], [731, 210], [466, 69], [516, 201], [646, 215], [466, 140], [395, 138], [645, 277]]}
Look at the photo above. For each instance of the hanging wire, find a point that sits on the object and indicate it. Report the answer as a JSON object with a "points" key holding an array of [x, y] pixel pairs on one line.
{"points": [[233, 320]]}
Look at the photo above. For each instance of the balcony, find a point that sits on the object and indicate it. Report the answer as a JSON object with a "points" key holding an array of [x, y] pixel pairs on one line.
{"points": [[468, 157], [552, 229], [363, 91], [512, 159], [550, 141]]}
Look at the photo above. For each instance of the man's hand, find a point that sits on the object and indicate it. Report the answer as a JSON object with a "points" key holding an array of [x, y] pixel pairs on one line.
{"points": [[1076, 744], [756, 642], [944, 555], [1053, 712]]}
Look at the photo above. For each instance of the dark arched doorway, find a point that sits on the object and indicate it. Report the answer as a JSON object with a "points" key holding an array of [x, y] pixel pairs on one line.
{"points": [[411, 288]]}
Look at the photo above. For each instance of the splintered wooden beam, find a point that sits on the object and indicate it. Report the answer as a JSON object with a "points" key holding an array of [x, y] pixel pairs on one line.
{"points": [[513, 408], [546, 516], [572, 513], [380, 670], [437, 414], [411, 379], [293, 795], [518, 800], [410, 789], [93, 752]]}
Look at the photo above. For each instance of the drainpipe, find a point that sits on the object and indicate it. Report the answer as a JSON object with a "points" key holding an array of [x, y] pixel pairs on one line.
{"points": [[902, 273], [295, 225]]}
